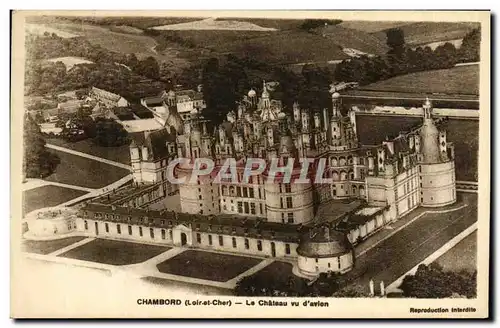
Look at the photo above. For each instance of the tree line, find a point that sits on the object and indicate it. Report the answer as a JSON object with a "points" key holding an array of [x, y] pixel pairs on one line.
{"points": [[402, 59]]}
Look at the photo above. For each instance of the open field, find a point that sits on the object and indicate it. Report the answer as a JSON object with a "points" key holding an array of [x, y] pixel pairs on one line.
{"points": [[371, 26], [114, 252], [118, 154], [47, 246], [461, 257], [456, 80], [47, 196], [355, 39], [207, 265], [84, 172], [213, 24], [464, 134], [40, 29], [419, 33]]}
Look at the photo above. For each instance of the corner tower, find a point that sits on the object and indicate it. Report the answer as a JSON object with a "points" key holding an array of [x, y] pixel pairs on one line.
{"points": [[436, 164]]}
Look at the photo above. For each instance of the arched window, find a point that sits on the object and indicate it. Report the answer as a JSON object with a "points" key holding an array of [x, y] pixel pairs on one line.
{"points": [[342, 161], [333, 161], [343, 175], [335, 176]]}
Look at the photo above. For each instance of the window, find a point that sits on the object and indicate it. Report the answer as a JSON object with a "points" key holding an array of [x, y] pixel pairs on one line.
{"points": [[329, 265], [234, 242], [252, 208], [210, 239], [290, 217], [260, 206], [281, 190], [246, 207], [198, 238], [199, 197], [247, 243], [288, 188], [106, 226], [140, 231], [238, 191], [260, 196], [171, 234], [221, 241], [245, 192], [151, 232], [118, 229], [240, 207], [287, 248], [289, 202], [259, 245], [163, 235], [281, 202], [130, 230], [251, 193], [162, 222]]}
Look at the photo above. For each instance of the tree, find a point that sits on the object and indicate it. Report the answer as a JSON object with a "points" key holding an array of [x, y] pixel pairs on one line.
{"points": [[149, 67], [470, 49], [109, 133], [37, 161], [433, 282]]}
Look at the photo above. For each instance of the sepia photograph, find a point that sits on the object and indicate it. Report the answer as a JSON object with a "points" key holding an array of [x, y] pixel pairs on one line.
{"points": [[236, 164]]}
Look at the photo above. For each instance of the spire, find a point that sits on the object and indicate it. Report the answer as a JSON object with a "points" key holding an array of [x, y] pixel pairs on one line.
{"points": [[429, 135]]}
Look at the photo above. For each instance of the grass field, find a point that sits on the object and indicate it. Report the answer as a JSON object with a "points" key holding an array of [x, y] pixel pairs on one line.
{"points": [[371, 26], [464, 134], [456, 80], [281, 271], [114, 252], [48, 246], [118, 154], [84, 172], [461, 257], [47, 196], [207, 265], [422, 33]]}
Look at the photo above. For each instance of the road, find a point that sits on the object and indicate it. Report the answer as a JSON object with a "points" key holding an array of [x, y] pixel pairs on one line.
{"points": [[92, 157], [399, 253]]}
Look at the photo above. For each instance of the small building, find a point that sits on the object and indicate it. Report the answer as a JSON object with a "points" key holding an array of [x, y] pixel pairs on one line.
{"points": [[108, 99]]}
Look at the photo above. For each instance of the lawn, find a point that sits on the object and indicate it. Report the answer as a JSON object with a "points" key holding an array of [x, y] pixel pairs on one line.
{"points": [[114, 252], [465, 137], [47, 196], [118, 154], [464, 134], [456, 80], [462, 256], [49, 246], [281, 271], [207, 265], [84, 172]]}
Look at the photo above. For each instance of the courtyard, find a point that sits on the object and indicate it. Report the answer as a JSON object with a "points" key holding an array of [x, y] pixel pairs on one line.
{"points": [[114, 252], [207, 265]]}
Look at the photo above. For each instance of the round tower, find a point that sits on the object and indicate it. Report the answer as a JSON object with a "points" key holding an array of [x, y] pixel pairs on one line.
{"points": [[324, 249], [436, 167]]}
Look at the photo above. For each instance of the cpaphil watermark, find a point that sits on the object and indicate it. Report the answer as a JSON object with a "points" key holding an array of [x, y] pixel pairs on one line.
{"points": [[230, 170]]}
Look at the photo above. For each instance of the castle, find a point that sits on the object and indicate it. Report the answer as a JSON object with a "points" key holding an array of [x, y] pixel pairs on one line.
{"points": [[315, 225]]}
